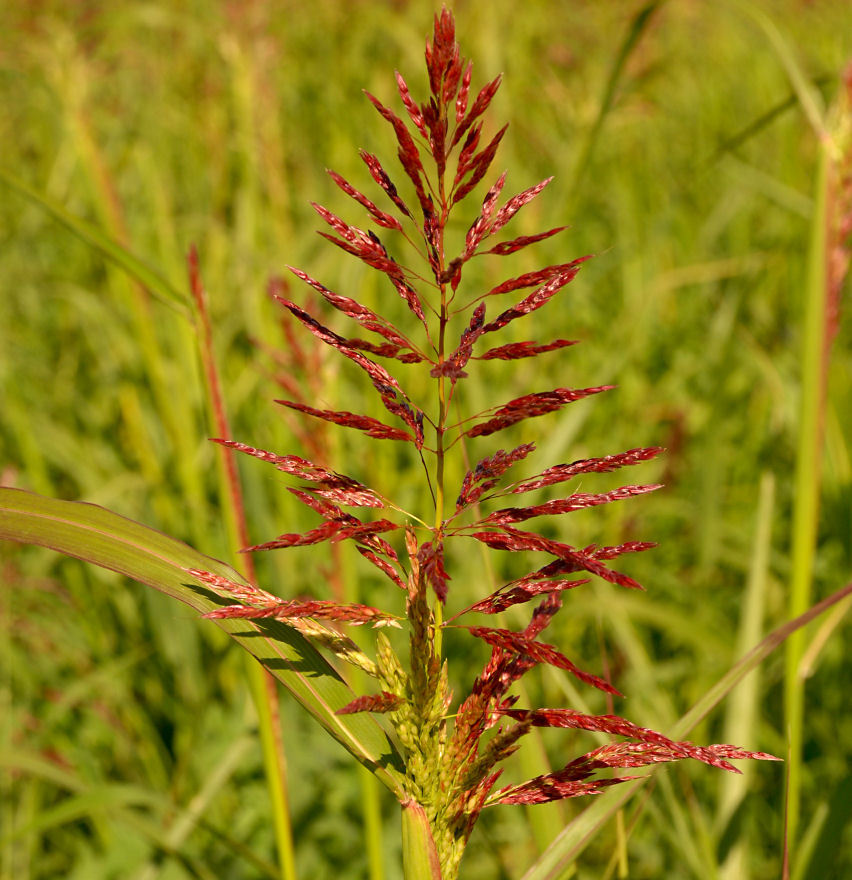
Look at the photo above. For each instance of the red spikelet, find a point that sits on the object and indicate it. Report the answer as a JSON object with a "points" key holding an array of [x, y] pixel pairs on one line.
{"points": [[464, 91], [479, 165], [570, 718], [536, 299], [313, 536], [505, 214], [489, 222], [377, 373], [364, 532], [501, 671], [487, 474], [382, 179], [325, 507], [544, 789], [522, 241], [482, 225], [388, 387], [368, 319], [531, 279], [360, 495], [479, 106], [386, 349], [320, 609], [414, 112], [540, 652], [409, 155], [568, 782], [371, 427], [578, 501], [469, 147], [454, 365], [371, 252], [351, 233], [441, 52], [516, 350], [407, 292], [612, 552], [244, 592], [367, 246], [569, 565], [532, 405], [509, 595], [561, 472], [431, 559], [569, 558], [542, 616], [381, 217], [348, 496], [380, 703], [383, 565]]}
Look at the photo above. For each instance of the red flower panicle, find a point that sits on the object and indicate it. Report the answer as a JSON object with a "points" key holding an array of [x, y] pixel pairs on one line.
{"points": [[445, 149]]}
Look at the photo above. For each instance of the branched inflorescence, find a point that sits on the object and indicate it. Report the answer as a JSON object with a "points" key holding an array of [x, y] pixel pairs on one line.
{"points": [[452, 768]]}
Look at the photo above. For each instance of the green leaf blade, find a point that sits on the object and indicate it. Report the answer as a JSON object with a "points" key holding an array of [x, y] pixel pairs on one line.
{"points": [[96, 535], [115, 252]]}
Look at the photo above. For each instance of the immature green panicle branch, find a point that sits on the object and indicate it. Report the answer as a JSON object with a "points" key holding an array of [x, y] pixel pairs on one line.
{"points": [[451, 768]]}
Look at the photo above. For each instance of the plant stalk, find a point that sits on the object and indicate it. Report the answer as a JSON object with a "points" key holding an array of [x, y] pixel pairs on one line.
{"points": [[808, 475]]}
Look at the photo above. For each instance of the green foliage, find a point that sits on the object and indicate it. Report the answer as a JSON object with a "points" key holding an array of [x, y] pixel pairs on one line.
{"points": [[124, 744]]}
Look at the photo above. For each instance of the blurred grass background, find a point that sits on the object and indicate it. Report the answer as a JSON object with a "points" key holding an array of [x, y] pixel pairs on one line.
{"points": [[127, 748]]}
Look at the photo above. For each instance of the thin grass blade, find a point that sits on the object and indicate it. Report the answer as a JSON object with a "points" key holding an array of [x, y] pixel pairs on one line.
{"points": [[638, 24], [158, 286]]}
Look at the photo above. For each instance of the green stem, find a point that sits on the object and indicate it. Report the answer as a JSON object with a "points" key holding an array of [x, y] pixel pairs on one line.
{"points": [[442, 399], [807, 478], [371, 810], [265, 695], [439, 453]]}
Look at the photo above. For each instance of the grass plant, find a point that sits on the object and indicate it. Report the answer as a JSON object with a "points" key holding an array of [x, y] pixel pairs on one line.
{"points": [[126, 736]]}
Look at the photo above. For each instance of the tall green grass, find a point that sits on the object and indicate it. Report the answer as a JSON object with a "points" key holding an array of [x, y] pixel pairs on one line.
{"points": [[128, 744]]}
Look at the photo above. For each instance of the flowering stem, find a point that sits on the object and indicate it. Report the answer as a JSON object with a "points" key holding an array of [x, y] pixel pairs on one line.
{"points": [[443, 405], [439, 454]]}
